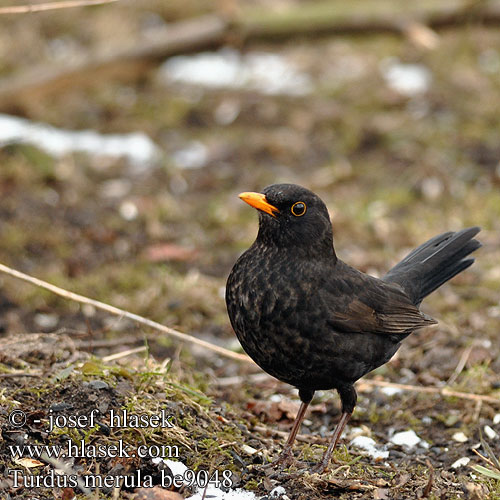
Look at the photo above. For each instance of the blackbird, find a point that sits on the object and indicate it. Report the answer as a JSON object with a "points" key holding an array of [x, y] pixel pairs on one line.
{"points": [[311, 320]]}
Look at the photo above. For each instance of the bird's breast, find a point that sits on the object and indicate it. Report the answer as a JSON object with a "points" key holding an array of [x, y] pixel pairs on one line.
{"points": [[272, 306]]}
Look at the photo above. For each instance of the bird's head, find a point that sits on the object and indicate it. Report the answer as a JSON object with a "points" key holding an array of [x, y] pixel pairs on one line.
{"points": [[291, 216]]}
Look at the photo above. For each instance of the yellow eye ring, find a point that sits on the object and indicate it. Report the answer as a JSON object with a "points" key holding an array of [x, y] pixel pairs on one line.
{"points": [[298, 209]]}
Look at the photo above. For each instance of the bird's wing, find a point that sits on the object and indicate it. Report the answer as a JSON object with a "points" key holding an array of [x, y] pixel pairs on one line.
{"points": [[357, 302]]}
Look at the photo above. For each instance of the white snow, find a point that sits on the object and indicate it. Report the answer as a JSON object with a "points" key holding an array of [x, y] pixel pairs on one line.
{"points": [[409, 439], [136, 147], [227, 68], [368, 444], [212, 492], [390, 391], [192, 155], [406, 79]]}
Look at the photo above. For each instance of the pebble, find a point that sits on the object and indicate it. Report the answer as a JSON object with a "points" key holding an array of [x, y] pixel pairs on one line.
{"points": [[406, 438], [249, 450], [98, 384], [390, 391], [128, 210], [490, 432], [461, 462], [460, 437], [46, 321]]}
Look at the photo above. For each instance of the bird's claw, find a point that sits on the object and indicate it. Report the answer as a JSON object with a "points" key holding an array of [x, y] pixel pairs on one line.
{"points": [[319, 468], [282, 462]]}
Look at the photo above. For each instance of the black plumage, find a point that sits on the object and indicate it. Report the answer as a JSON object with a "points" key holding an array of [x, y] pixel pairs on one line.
{"points": [[309, 319]]}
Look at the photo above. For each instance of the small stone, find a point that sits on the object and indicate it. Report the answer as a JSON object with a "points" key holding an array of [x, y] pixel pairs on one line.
{"points": [[227, 111], [490, 432], [406, 438], [61, 407], [46, 321], [128, 210], [461, 462], [98, 384], [432, 188], [460, 437], [496, 419], [249, 450]]}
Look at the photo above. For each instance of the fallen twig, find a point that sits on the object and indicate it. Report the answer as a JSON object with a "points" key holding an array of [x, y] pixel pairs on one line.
{"points": [[306, 438], [19, 374], [24, 9], [461, 364], [444, 391], [123, 354], [127, 63], [209, 31], [256, 378], [126, 314], [486, 459], [430, 482]]}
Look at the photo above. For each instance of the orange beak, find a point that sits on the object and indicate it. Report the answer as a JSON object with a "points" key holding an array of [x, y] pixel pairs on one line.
{"points": [[258, 201]]}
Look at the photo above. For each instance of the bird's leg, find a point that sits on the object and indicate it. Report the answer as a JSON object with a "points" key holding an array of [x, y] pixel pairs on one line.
{"points": [[286, 457], [348, 398], [323, 465]]}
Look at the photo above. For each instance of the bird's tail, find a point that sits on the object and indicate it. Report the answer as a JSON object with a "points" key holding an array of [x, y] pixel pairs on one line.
{"points": [[434, 263]]}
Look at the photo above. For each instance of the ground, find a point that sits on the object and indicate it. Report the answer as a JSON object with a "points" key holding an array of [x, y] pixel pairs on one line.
{"points": [[394, 169]]}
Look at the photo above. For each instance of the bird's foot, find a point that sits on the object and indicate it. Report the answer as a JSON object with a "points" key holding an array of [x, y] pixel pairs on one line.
{"points": [[283, 461], [319, 468]]}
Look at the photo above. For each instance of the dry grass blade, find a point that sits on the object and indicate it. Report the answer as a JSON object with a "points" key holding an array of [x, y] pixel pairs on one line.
{"points": [[444, 391], [489, 451], [126, 314], [482, 457], [428, 486], [486, 472], [123, 354], [461, 364], [24, 9], [221, 350]]}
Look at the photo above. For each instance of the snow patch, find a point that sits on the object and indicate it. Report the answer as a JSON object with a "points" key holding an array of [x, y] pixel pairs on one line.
{"points": [[368, 444], [136, 147], [261, 71]]}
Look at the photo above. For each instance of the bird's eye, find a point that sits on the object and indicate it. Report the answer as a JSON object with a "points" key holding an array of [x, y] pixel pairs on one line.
{"points": [[298, 208]]}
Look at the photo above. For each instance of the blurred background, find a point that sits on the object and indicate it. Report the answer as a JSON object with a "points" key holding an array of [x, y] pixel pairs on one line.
{"points": [[127, 131]]}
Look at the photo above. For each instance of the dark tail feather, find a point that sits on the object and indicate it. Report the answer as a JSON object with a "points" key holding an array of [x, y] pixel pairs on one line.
{"points": [[434, 263]]}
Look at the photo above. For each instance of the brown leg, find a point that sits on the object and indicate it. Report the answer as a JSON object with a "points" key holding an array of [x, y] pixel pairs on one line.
{"points": [[323, 465], [286, 457]]}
